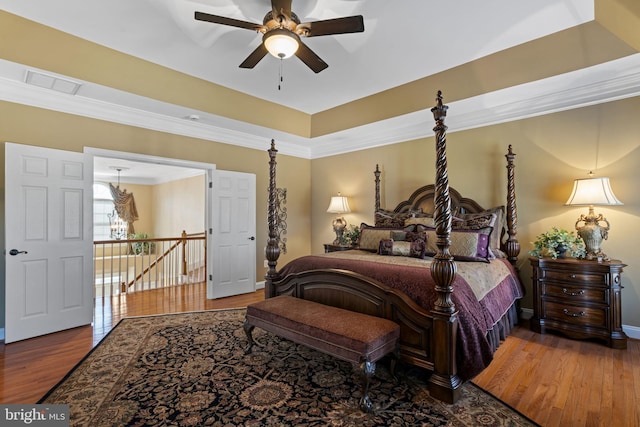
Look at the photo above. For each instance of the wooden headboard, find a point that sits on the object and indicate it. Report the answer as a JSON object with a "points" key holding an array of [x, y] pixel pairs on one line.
{"points": [[423, 200]]}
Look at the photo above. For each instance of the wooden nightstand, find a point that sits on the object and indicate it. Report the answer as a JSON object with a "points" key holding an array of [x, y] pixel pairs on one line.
{"points": [[330, 247], [581, 299]]}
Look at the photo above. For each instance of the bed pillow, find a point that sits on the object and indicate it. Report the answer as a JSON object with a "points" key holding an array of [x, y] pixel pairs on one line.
{"points": [[466, 245], [498, 228], [370, 236], [427, 221], [390, 219], [408, 236], [413, 249], [482, 222]]}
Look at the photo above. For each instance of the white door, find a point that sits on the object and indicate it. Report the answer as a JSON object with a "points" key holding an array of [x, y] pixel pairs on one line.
{"points": [[49, 262], [234, 230]]}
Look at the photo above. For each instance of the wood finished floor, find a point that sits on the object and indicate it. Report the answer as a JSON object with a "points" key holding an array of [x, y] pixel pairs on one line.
{"points": [[553, 380]]}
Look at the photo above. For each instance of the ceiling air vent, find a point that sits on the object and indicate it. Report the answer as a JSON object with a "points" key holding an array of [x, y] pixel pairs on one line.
{"points": [[50, 82]]}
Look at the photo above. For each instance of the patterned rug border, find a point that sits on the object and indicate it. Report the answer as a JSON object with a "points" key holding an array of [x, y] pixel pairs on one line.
{"points": [[114, 330], [95, 347], [477, 387]]}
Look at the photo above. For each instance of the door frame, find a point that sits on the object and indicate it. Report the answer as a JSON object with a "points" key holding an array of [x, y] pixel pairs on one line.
{"points": [[210, 191]]}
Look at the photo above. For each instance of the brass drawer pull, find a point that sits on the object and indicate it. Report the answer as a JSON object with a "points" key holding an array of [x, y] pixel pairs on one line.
{"points": [[572, 294], [568, 313]]}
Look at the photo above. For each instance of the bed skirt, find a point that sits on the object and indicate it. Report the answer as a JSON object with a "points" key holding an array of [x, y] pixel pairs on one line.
{"points": [[503, 327]]}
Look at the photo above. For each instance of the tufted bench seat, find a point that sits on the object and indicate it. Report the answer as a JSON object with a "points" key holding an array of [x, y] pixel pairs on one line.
{"points": [[355, 337]]}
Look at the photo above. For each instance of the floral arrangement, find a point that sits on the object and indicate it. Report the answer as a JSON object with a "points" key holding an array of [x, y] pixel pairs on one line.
{"points": [[350, 236], [558, 243], [140, 248]]}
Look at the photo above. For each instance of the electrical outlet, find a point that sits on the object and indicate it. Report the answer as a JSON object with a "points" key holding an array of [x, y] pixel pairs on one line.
{"points": [[266, 264]]}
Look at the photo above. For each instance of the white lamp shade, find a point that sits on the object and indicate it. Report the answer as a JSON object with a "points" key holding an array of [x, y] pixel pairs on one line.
{"points": [[281, 43], [338, 204], [592, 191]]}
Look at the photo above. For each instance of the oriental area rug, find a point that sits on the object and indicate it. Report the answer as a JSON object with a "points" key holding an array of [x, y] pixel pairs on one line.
{"points": [[191, 370]]}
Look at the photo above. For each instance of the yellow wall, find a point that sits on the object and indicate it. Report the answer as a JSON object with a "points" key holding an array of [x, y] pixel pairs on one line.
{"points": [[551, 150], [178, 206], [44, 128]]}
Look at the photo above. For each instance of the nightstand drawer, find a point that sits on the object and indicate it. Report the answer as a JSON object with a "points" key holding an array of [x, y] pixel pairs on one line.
{"points": [[575, 314], [579, 298], [576, 293], [569, 276]]}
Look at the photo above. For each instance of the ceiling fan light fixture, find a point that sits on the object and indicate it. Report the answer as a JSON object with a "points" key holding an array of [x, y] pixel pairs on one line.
{"points": [[281, 43]]}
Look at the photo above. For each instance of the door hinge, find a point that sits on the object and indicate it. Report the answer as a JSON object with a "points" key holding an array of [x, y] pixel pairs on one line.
{"points": [[211, 277], [211, 231], [211, 185]]}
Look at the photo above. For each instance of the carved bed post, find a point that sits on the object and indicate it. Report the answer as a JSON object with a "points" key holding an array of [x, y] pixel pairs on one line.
{"points": [[272, 251], [444, 383], [377, 180], [512, 246]]}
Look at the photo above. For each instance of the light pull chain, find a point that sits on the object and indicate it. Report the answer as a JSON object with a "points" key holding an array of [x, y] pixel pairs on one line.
{"points": [[597, 150], [591, 173], [280, 79]]}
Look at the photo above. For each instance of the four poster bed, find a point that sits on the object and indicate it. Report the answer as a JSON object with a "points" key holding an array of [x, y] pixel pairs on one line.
{"points": [[453, 307]]}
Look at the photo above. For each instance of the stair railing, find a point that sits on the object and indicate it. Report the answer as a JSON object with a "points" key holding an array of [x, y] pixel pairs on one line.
{"points": [[153, 263]]}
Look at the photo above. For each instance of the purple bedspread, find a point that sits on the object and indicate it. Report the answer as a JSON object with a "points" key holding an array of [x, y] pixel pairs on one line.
{"points": [[475, 317]]}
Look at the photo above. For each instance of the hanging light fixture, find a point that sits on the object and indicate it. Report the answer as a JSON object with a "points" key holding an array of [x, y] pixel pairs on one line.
{"points": [[118, 228], [281, 43]]}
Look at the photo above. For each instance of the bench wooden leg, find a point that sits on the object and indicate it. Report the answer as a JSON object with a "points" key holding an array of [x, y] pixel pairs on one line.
{"points": [[368, 371], [394, 362], [248, 329]]}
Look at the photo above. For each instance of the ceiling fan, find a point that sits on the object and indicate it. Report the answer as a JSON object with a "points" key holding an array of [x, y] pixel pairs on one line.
{"points": [[282, 31]]}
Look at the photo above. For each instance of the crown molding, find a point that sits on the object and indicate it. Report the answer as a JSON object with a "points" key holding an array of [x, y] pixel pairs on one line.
{"points": [[590, 86], [594, 85]]}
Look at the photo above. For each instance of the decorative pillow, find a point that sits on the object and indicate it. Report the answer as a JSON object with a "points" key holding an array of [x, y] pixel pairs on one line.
{"points": [[466, 245], [498, 227], [390, 219], [475, 222], [370, 236], [399, 235], [427, 221], [413, 236], [415, 249]]}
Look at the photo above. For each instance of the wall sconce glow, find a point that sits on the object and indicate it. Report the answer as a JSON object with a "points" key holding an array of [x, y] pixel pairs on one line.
{"points": [[281, 43], [589, 192]]}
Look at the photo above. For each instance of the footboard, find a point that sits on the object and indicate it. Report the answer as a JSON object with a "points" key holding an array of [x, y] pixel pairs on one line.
{"points": [[355, 292]]}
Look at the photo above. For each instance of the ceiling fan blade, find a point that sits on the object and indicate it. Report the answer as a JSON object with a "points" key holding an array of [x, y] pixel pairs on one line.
{"points": [[255, 57], [201, 16], [309, 57], [281, 7], [348, 24]]}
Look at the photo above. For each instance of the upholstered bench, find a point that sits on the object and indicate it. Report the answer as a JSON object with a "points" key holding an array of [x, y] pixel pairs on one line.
{"points": [[355, 337]]}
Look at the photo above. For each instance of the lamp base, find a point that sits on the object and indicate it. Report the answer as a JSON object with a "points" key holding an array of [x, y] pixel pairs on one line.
{"points": [[339, 224], [592, 233]]}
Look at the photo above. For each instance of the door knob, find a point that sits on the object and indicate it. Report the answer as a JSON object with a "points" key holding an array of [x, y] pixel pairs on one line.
{"points": [[251, 238], [16, 252]]}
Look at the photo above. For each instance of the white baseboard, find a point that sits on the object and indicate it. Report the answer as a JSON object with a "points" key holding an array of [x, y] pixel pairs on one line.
{"points": [[2, 334], [632, 331], [259, 285]]}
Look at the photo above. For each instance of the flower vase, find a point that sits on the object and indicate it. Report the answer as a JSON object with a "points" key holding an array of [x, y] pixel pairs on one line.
{"points": [[561, 250]]}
